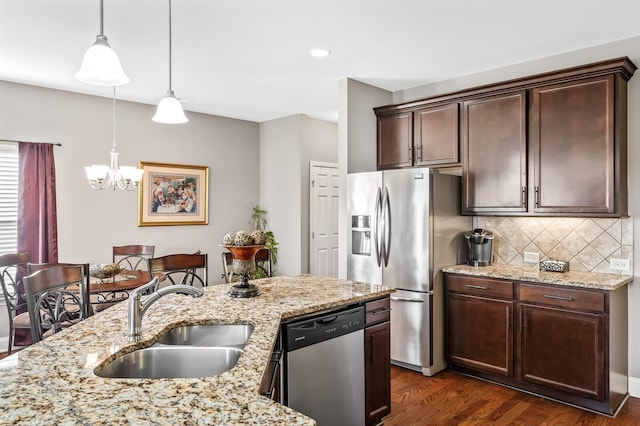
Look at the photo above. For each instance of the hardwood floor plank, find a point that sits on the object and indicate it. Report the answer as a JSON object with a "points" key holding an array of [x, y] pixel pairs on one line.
{"points": [[450, 398]]}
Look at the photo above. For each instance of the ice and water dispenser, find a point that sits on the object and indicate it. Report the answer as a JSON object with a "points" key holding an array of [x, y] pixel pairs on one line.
{"points": [[361, 235]]}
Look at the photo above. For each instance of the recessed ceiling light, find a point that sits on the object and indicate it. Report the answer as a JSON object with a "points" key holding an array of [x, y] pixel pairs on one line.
{"points": [[319, 53]]}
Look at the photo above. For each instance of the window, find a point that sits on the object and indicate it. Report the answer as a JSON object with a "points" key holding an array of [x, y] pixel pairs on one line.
{"points": [[8, 197]]}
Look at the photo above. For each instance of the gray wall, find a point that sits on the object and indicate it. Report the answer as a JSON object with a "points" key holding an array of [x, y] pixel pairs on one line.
{"points": [[90, 222], [287, 146]]}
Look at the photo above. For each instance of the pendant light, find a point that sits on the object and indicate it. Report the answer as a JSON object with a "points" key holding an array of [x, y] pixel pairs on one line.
{"points": [[169, 109], [113, 176], [100, 65]]}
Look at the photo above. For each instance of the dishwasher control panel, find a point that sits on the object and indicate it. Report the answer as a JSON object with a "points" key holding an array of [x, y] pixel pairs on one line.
{"points": [[315, 330]]}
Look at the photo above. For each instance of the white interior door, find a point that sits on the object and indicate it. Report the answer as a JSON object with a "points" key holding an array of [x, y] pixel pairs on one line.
{"points": [[323, 220]]}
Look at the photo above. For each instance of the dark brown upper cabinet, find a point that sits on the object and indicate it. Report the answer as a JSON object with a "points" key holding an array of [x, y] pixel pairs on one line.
{"points": [[395, 144], [577, 147], [544, 145], [425, 137], [494, 150]]}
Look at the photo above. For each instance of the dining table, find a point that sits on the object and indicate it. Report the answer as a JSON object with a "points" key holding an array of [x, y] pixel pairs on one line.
{"points": [[106, 292]]}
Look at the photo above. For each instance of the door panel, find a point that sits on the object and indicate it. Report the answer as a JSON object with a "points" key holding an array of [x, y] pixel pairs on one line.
{"points": [[323, 222]]}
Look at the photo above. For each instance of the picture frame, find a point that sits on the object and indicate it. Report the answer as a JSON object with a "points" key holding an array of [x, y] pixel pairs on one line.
{"points": [[173, 194]]}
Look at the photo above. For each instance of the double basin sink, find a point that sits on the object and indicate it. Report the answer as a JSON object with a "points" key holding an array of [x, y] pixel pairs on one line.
{"points": [[184, 352]]}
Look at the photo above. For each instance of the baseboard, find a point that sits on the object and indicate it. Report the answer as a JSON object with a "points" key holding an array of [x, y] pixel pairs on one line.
{"points": [[634, 386]]}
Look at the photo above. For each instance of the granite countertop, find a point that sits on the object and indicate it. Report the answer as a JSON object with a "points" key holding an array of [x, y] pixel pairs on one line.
{"points": [[594, 280], [53, 382]]}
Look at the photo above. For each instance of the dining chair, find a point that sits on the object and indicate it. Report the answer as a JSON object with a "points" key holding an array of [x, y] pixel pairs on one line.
{"points": [[13, 267], [263, 264], [52, 305], [184, 269], [35, 267], [133, 257]]}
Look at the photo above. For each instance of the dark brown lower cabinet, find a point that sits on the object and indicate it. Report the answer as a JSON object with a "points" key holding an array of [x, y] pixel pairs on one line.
{"points": [[271, 385], [480, 333], [563, 350], [565, 343], [377, 361]]}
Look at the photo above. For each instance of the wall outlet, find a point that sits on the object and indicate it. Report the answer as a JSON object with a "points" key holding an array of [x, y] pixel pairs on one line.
{"points": [[531, 257], [619, 264]]}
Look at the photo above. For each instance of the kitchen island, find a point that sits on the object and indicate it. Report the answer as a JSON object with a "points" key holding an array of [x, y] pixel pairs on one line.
{"points": [[53, 382]]}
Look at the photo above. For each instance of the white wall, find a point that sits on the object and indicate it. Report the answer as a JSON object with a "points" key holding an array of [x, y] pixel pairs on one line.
{"points": [[628, 47], [287, 145], [90, 222]]}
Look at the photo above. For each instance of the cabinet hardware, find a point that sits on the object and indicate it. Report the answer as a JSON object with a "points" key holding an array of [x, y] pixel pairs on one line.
{"points": [[407, 299], [419, 148], [537, 196], [411, 154], [380, 311], [479, 287], [524, 196], [553, 296]]}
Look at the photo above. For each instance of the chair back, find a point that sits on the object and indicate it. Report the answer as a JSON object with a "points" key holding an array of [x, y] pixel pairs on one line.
{"points": [[133, 257], [52, 304], [13, 267], [35, 267], [184, 269], [227, 266]]}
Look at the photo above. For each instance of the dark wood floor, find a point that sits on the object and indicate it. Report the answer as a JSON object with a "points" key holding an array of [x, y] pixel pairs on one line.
{"points": [[450, 398]]}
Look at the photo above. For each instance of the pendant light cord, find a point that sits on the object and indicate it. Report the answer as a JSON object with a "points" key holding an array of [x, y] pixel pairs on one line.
{"points": [[170, 89], [101, 18]]}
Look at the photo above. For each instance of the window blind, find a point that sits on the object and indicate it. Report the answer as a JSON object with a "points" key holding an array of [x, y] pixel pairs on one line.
{"points": [[8, 197]]}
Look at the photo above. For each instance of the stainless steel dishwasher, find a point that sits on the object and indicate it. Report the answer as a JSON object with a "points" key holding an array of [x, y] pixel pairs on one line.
{"points": [[324, 367]]}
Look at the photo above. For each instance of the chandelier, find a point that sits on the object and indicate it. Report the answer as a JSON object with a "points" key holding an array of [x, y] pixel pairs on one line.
{"points": [[113, 176]]}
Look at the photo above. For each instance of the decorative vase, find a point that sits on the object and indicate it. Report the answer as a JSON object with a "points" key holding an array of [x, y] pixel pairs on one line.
{"points": [[244, 264]]}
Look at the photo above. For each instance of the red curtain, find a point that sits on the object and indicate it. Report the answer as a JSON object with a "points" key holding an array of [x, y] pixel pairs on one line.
{"points": [[37, 217]]}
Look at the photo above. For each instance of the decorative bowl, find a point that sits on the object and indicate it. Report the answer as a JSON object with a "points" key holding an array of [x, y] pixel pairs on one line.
{"points": [[104, 270]]}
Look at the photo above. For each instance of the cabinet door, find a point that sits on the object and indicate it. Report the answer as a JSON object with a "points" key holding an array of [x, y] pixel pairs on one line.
{"points": [[436, 135], [377, 371], [563, 349], [479, 333], [494, 166], [395, 145], [572, 138]]}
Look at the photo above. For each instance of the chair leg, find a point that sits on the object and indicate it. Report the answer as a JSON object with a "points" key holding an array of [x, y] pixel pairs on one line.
{"points": [[11, 329]]}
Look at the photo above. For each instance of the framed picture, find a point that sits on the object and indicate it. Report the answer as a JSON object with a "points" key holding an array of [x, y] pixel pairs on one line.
{"points": [[173, 194]]}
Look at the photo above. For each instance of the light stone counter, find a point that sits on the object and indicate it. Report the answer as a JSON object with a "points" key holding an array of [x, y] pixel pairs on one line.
{"points": [[53, 382], [594, 280]]}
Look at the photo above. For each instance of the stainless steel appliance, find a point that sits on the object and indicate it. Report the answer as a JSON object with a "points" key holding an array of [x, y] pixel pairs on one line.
{"points": [[406, 226], [480, 245], [324, 367]]}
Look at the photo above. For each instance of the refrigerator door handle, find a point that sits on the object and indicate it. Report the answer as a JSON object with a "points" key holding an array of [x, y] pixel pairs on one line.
{"points": [[377, 241], [387, 226]]}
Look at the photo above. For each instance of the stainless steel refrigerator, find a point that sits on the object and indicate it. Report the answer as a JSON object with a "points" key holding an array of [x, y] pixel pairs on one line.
{"points": [[405, 226]]}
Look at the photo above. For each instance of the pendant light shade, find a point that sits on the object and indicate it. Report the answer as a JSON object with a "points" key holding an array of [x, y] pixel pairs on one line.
{"points": [[169, 109], [100, 65]]}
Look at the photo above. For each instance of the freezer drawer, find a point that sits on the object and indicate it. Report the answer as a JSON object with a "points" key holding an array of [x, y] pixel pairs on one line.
{"points": [[411, 331]]}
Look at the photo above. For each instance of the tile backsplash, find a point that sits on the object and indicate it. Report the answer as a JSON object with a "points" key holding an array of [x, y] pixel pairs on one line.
{"points": [[587, 243]]}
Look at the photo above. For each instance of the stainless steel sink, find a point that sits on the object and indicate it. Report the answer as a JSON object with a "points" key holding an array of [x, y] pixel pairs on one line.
{"points": [[161, 361], [226, 335]]}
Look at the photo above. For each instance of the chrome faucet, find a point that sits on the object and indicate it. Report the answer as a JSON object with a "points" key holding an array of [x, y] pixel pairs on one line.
{"points": [[138, 307]]}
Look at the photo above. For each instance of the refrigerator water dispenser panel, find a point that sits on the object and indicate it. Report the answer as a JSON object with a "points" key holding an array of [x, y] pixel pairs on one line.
{"points": [[361, 235]]}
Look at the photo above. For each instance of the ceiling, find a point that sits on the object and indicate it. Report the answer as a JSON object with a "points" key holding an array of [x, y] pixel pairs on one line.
{"points": [[248, 59]]}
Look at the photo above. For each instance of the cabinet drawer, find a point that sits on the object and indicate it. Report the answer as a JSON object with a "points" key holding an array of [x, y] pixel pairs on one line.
{"points": [[480, 286], [377, 311], [562, 296]]}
